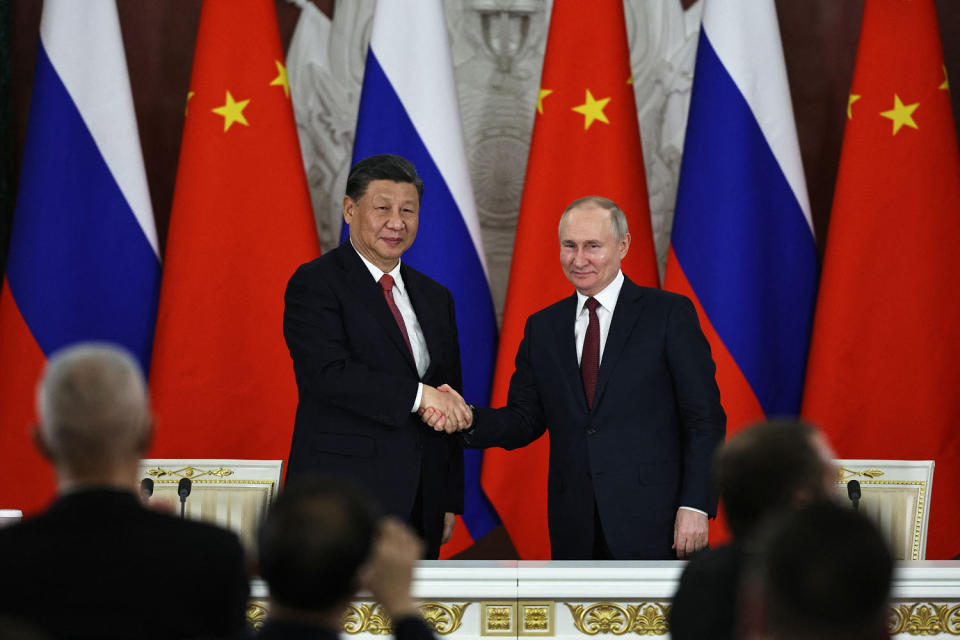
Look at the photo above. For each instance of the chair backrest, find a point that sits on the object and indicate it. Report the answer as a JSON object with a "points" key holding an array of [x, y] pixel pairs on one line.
{"points": [[234, 494], [895, 494]]}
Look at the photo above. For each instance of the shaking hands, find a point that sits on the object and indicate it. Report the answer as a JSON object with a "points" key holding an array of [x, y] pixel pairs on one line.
{"points": [[444, 409]]}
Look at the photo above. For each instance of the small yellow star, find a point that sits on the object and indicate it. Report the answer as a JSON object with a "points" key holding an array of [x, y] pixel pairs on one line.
{"points": [[281, 79], [186, 107], [901, 114], [946, 83], [592, 110], [543, 94], [232, 112], [630, 80], [853, 98]]}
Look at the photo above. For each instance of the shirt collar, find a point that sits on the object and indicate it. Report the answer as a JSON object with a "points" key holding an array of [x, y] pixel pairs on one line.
{"points": [[607, 298], [377, 273]]}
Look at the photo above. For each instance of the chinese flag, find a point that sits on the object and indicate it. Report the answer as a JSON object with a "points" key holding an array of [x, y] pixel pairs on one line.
{"points": [[221, 377], [883, 377], [586, 141]]}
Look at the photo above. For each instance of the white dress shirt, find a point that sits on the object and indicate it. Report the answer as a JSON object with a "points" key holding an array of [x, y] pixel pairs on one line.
{"points": [[608, 302], [417, 342]]}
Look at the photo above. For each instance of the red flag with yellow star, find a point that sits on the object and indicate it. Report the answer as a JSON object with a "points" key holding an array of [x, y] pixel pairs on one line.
{"points": [[883, 377], [586, 141], [221, 378]]}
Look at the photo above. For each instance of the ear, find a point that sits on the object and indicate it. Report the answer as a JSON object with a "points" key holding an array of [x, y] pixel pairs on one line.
{"points": [[41, 443], [624, 245], [349, 209]]}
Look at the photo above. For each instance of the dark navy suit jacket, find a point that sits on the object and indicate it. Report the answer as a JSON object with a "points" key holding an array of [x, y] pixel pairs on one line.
{"points": [[645, 446], [357, 381]]}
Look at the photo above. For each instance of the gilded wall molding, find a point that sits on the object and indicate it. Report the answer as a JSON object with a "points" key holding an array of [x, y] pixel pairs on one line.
{"points": [[256, 614], [190, 472], [644, 619], [924, 619], [371, 618], [844, 474]]}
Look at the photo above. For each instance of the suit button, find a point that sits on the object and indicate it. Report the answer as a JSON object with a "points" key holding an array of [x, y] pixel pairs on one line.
{"points": [[591, 431]]}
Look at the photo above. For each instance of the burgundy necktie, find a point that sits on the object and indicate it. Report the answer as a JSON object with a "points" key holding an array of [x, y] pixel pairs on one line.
{"points": [[386, 283], [590, 356]]}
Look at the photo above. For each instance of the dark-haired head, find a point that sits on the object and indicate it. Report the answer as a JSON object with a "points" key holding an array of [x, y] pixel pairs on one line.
{"points": [[823, 571], [314, 540], [780, 464], [385, 166]]}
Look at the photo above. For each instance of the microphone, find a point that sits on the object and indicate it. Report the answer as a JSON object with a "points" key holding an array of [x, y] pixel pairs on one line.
{"points": [[183, 490], [853, 492], [146, 488]]}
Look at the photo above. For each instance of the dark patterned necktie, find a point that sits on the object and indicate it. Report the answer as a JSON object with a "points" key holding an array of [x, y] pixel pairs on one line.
{"points": [[590, 357], [386, 283]]}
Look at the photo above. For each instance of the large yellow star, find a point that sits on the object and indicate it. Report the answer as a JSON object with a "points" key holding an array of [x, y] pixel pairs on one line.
{"points": [[901, 114], [592, 110], [543, 94], [853, 98], [281, 79], [946, 81], [232, 112]]}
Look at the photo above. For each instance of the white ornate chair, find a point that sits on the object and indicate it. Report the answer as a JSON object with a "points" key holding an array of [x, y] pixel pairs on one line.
{"points": [[234, 494], [895, 494]]}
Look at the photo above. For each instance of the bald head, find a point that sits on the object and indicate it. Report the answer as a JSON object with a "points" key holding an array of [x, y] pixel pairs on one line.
{"points": [[92, 405]]}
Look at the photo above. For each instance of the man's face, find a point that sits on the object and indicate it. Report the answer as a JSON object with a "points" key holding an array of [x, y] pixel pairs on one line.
{"points": [[589, 252], [383, 222]]}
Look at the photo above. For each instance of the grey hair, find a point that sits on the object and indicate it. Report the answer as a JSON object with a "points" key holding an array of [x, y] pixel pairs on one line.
{"points": [[92, 398], [618, 219]]}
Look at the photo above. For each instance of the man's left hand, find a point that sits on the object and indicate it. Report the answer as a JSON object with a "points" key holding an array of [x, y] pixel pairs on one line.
{"points": [[449, 519], [689, 533]]}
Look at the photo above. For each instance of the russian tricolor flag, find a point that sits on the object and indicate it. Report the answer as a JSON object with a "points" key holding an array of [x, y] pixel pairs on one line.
{"points": [[743, 246], [84, 261], [408, 106]]}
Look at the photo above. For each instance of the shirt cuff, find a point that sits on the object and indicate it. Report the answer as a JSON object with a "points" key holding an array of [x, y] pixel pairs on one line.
{"points": [[416, 401], [700, 511]]}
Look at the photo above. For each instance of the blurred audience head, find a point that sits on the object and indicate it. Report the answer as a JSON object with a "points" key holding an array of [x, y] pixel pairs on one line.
{"points": [[821, 572], [94, 419], [775, 465], [313, 543]]}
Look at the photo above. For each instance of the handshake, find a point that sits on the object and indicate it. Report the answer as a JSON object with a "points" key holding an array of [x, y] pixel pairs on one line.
{"points": [[444, 409]]}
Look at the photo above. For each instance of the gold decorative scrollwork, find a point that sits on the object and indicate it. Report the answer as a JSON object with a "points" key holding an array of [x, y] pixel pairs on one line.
{"points": [[645, 619], [498, 618], [535, 619], [371, 618], [924, 619], [844, 474], [443, 618], [255, 615], [190, 472]]}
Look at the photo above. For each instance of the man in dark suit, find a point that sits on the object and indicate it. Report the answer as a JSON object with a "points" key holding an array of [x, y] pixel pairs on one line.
{"points": [[770, 468], [97, 564], [321, 542], [371, 339], [622, 378]]}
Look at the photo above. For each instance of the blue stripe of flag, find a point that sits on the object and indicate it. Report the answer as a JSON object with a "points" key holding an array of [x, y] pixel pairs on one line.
{"points": [[742, 240], [444, 251], [80, 266]]}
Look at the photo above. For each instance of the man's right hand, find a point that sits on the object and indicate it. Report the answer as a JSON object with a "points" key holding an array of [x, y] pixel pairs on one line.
{"points": [[444, 409], [388, 573]]}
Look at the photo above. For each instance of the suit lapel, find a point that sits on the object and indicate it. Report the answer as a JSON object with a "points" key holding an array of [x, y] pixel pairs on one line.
{"points": [[625, 316], [370, 295], [566, 345]]}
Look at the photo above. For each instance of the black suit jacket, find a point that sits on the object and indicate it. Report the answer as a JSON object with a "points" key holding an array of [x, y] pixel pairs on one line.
{"points": [[97, 564], [705, 604], [645, 446], [357, 382]]}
